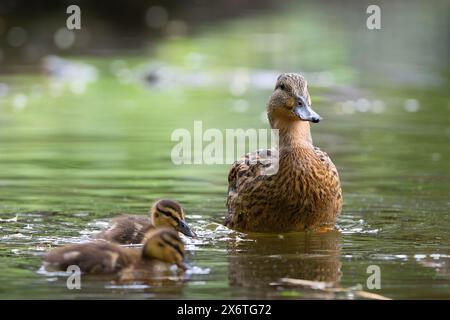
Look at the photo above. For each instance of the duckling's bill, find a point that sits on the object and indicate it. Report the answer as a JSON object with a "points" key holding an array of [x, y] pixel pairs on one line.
{"points": [[185, 229]]}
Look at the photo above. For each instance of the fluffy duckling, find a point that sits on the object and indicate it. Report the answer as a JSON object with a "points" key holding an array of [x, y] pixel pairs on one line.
{"points": [[305, 193], [129, 229], [162, 247]]}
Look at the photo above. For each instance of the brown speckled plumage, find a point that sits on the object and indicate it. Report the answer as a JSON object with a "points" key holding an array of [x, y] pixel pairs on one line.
{"points": [[126, 229], [131, 229], [95, 258], [305, 193], [161, 247]]}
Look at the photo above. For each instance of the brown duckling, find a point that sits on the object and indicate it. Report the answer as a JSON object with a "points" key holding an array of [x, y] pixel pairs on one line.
{"points": [[305, 193], [162, 247], [129, 229]]}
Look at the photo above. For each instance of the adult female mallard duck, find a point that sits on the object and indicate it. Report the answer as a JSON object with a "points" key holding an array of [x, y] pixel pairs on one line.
{"points": [[129, 229], [162, 247], [305, 192]]}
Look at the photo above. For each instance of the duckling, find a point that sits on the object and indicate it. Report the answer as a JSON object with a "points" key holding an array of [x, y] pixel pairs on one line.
{"points": [[305, 193], [162, 247], [128, 229]]}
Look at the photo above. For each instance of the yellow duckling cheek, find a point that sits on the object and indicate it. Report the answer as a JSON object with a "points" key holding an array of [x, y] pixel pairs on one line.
{"points": [[165, 222]]}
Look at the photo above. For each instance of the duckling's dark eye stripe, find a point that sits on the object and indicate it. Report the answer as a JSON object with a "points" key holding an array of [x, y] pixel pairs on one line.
{"points": [[173, 245], [168, 214]]}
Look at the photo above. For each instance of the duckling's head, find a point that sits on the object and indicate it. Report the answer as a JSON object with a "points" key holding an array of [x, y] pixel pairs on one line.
{"points": [[168, 213], [290, 101], [165, 245]]}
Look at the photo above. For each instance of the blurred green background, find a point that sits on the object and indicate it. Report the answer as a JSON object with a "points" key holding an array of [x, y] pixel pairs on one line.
{"points": [[86, 118]]}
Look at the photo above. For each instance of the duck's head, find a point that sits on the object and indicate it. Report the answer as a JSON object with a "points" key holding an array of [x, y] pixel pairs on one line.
{"points": [[168, 213], [290, 101], [165, 245]]}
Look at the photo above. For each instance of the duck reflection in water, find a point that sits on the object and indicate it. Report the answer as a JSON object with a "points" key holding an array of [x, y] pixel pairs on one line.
{"points": [[263, 260]]}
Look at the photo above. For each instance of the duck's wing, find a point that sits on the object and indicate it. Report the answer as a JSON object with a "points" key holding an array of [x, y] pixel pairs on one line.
{"points": [[126, 229], [323, 156], [253, 166], [331, 172], [95, 257], [246, 167]]}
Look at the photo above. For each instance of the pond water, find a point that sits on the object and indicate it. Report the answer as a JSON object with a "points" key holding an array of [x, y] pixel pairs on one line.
{"points": [[83, 144]]}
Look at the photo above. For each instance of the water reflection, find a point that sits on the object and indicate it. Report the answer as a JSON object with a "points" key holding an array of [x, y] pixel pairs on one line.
{"points": [[264, 260]]}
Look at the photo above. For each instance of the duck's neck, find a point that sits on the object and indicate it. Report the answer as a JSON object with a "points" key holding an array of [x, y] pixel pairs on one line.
{"points": [[293, 134]]}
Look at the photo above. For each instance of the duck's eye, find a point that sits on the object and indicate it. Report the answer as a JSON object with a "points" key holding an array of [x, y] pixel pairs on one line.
{"points": [[282, 87]]}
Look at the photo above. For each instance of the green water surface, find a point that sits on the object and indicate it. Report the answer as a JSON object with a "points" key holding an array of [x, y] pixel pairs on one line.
{"points": [[72, 156]]}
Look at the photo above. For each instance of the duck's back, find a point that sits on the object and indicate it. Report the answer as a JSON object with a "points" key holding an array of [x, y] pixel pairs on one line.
{"points": [[95, 258], [126, 229]]}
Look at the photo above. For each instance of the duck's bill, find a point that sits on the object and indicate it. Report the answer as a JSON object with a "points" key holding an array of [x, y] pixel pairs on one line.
{"points": [[304, 112], [185, 229]]}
